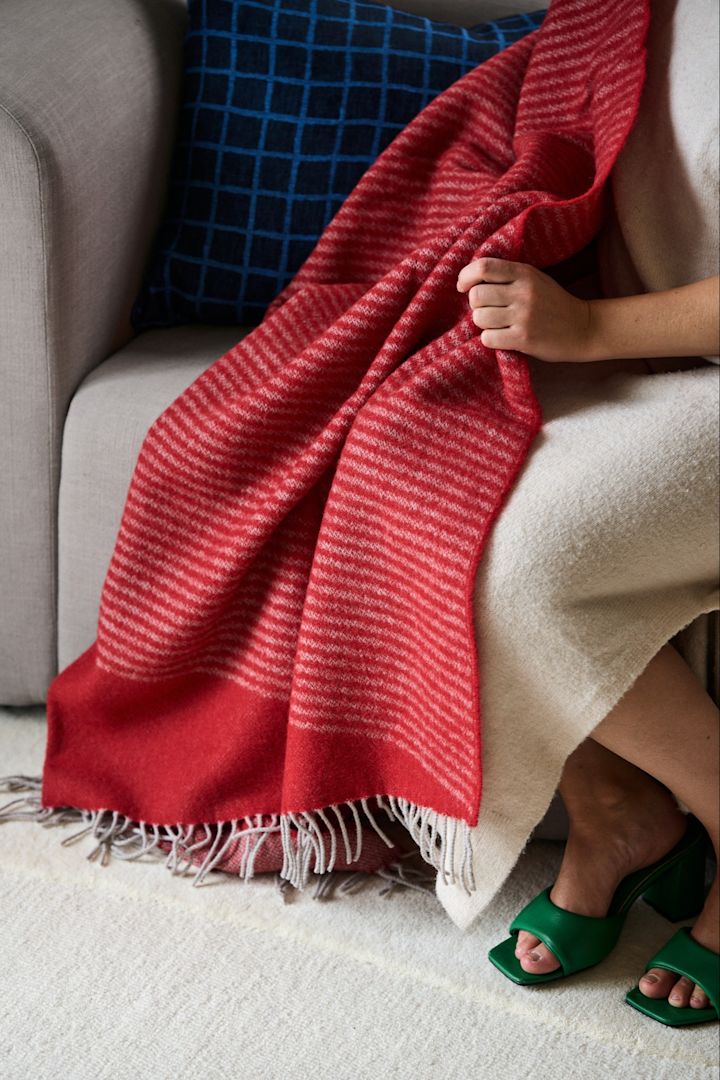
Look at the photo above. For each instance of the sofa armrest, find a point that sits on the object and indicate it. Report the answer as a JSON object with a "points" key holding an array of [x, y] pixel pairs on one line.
{"points": [[88, 98]]}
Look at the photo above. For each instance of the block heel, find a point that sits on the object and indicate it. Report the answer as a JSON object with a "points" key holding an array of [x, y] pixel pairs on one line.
{"points": [[679, 893]]}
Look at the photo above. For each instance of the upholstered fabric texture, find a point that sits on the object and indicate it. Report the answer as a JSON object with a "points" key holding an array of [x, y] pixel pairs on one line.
{"points": [[85, 91], [284, 106]]}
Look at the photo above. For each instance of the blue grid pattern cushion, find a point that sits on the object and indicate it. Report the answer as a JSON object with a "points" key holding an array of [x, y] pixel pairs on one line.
{"points": [[284, 105]]}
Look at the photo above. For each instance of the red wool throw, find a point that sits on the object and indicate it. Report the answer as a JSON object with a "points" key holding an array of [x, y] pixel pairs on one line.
{"points": [[285, 647]]}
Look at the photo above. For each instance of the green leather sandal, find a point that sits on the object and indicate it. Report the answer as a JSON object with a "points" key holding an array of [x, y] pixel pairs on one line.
{"points": [[674, 886], [686, 956]]}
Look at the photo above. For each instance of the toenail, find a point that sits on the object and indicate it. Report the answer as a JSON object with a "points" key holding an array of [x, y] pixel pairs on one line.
{"points": [[535, 956], [650, 978]]}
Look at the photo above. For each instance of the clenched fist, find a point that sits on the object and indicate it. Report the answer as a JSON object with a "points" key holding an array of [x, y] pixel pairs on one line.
{"points": [[518, 307]]}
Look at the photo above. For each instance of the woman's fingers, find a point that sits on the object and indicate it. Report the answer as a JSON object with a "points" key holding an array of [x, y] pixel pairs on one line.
{"points": [[492, 318], [486, 269], [493, 300], [489, 296], [503, 302], [506, 338]]}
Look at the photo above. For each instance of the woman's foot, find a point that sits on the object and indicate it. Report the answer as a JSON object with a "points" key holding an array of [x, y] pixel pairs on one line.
{"points": [[608, 839], [660, 983]]}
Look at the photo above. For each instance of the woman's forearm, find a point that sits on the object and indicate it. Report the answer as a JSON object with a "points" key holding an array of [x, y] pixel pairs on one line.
{"points": [[675, 322]]}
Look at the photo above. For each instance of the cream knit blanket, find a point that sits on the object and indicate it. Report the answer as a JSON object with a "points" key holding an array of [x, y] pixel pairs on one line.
{"points": [[608, 544]]}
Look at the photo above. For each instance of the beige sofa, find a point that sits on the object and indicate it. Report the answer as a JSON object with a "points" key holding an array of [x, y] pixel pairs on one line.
{"points": [[88, 93]]}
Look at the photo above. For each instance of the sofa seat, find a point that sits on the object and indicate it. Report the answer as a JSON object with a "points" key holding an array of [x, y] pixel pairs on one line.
{"points": [[106, 423]]}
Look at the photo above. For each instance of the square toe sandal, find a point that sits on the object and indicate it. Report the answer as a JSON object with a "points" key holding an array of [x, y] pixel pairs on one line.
{"points": [[674, 886], [686, 956]]}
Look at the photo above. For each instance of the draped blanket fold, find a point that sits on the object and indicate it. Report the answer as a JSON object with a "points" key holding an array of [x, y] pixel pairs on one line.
{"points": [[285, 644]]}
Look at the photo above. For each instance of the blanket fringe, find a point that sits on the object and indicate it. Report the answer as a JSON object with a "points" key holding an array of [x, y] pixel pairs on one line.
{"points": [[435, 834]]}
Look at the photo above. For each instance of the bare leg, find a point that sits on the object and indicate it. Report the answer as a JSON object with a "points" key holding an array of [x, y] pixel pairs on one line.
{"points": [[660, 741]]}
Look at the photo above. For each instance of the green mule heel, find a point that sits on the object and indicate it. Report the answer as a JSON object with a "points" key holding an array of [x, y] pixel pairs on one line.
{"points": [[675, 888], [686, 956]]}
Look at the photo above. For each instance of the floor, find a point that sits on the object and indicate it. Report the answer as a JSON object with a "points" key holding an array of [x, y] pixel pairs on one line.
{"points": [[127, 972]]}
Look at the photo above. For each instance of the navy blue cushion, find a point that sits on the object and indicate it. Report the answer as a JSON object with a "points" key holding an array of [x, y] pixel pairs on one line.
{"points": [[284, 105]]}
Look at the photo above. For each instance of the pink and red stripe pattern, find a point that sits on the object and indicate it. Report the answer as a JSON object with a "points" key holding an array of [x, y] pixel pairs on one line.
{"points": [[286, 623]]}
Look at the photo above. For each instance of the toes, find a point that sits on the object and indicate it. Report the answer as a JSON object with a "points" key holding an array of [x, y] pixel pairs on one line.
{"points": [[525, 942], [657, 982], [539, 960], [699, 999], [681, 991]]}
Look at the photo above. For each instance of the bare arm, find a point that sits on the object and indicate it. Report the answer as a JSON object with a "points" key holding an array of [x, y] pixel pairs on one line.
{"points": [[676, 322], [519, 307]]}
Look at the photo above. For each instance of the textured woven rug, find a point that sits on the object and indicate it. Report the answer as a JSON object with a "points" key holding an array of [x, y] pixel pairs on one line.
{"points": [[119, 972], [285, 655]]}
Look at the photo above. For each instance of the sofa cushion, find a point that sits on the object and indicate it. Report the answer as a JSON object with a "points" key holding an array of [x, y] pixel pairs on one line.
{"points": [[284, 105]]}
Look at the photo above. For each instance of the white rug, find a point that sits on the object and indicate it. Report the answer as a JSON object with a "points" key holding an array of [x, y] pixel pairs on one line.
{"points": [[124, 972]]}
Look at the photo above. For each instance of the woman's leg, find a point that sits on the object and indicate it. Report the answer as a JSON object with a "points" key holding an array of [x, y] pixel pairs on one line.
{"points": [[661, 740]]}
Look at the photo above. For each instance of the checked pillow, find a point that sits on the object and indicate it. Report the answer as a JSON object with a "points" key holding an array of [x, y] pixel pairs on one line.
{"points": [[284, 105]]}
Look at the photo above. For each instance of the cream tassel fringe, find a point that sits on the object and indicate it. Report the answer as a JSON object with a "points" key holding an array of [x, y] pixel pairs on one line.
{"points": [[436, 836]]}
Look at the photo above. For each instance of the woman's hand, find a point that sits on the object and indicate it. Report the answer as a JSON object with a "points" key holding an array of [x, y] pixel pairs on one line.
{"points": [[518, 307]]}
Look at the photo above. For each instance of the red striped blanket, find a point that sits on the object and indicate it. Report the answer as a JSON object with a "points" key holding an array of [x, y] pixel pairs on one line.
{"points": [[285, 644]]}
